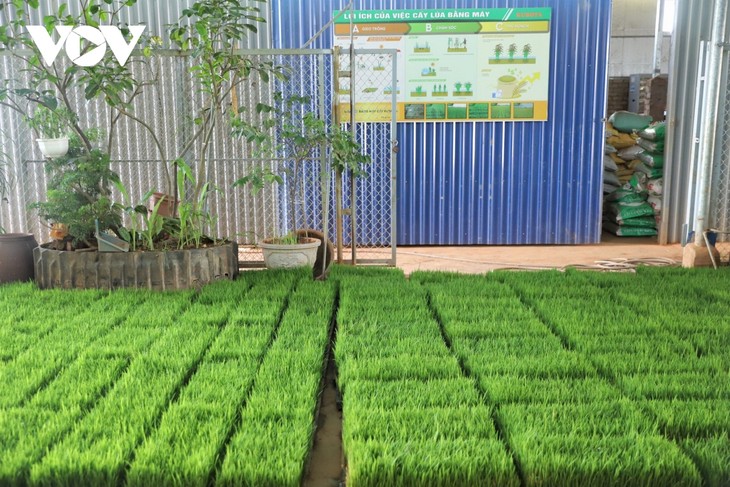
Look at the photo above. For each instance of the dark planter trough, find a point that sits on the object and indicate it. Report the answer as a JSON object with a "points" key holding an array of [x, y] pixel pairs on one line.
{"points": [[160, 271]]}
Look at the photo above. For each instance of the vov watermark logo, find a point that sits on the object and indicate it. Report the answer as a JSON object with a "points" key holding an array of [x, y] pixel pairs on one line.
{"points": [[71, 37]]}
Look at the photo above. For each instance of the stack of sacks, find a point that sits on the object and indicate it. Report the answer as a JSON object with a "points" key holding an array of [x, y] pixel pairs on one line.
{"points": [[652, 163], [627, 212]]}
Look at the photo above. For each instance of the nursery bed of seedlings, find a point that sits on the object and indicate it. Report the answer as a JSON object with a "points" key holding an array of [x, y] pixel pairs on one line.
{"points": [[410, 416], [571, 379], [661, 338], [147, 388]]}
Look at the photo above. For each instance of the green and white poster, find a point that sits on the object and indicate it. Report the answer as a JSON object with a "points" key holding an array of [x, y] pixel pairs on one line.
{"points": [[453, 65]]}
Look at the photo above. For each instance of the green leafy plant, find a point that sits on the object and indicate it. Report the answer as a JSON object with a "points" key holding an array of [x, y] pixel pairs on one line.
{"points": [[512, 50], [210, 31], [45, 97], [193, 216], [80, 193], [299, 138], [295, 136], [51, 123], [136, 213]]}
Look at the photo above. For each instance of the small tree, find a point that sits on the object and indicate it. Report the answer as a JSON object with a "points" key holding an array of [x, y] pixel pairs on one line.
{"points": [[210, 32], [299, 138], [80, 182]]}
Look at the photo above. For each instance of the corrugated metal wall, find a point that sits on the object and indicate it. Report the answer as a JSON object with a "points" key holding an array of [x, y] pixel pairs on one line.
{"points": [[504, 182], [155, 14], [686, 102]]}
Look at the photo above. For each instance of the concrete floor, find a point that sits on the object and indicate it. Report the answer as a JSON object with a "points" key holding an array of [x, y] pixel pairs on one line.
{"points": [[479, 259]]}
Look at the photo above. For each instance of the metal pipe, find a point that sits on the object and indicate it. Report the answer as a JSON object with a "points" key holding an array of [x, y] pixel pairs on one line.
{"points": [[658, 38], [707, 141]]}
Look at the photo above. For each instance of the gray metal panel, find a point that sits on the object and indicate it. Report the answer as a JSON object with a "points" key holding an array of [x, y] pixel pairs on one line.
{"points": [[692, 26], [156, 14]]}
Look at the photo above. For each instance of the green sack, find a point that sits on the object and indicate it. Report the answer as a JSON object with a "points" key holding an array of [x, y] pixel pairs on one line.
{"points": [[626, 196], [626, 211], [651, 172], [651, 145], [638, 182], [655, 131], [629, 231], [652, 160], [642, 221], [628, 122]]}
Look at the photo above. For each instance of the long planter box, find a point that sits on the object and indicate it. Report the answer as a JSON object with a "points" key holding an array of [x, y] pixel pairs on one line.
{"points": [[162, 271]]}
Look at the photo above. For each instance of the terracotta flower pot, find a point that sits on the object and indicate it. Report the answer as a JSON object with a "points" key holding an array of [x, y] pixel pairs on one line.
{"points": [[167, 207]]}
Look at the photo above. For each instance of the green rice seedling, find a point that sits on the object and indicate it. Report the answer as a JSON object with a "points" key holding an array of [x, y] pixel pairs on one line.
{"points": [[471, 288], [80, 385], [268, 453], [237, 341], [123, 342], [676, 386], [692, 419], [277, 423], [603, 462], [31, 370], [592, 420], [205, 315], [96, 451], [264, 314], [360, 346], [483, 329], [182, 451], [511, 346], [157, 309], [427, 424], [662, 361], [411, 394], [712, 456], [506, 389], [429, 278], [560, 364], [464, 462], [640, 345], [402, 367], [25, 435], [223, 383], [224, 293]]}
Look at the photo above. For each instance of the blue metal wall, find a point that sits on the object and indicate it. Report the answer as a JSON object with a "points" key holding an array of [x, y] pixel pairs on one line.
{"points": [[498, 182]]}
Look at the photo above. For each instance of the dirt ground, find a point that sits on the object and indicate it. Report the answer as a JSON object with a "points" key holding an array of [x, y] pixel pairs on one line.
{"points": [[479, 259]]}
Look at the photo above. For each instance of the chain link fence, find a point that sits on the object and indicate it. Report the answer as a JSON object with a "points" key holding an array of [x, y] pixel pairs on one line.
{"points": [[143, 160], [720, 197], [369, 90]]}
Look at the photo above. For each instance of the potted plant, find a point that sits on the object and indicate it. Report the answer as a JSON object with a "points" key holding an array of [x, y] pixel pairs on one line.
{"points": [[16, 249], [52, 127], [299, 137], [80, 195]]}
